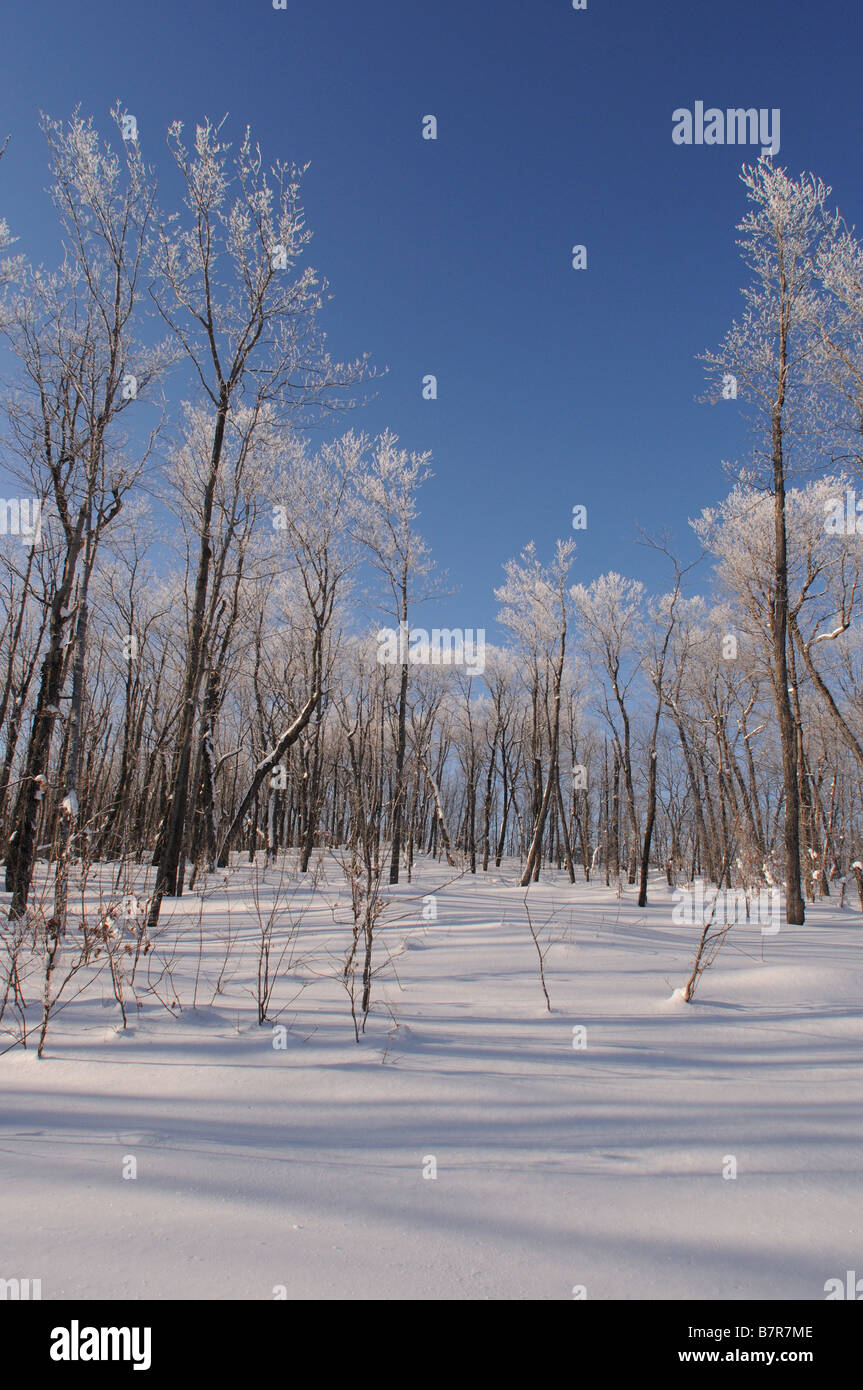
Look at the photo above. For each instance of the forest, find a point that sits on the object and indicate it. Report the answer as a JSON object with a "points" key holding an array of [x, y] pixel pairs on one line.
{"points": [[200, 562]]}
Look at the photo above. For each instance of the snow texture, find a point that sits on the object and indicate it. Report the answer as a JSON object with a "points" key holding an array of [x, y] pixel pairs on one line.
{"points": [[557, 1165]]}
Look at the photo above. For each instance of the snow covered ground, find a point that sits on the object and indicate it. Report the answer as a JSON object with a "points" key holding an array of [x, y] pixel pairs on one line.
{"points": [[302, 1168]]}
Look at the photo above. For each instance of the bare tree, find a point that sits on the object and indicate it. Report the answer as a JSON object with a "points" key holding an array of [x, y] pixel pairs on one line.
{"points": [[535, 609], [769, 354], [402, 558], [247, 323], [73, 334]]}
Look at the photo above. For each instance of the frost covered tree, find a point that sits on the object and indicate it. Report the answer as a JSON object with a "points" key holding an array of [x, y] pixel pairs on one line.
{"points": [[322, 492], [536, 610], [229, 290], [76, 337], [771, 351], [609, 616], [401, 557]]}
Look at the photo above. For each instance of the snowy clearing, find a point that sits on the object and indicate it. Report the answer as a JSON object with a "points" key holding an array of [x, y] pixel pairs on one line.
{"points": [[557, 1165]]}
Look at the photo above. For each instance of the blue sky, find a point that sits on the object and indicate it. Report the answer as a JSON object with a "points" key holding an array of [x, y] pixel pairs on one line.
{"points": [[453, 256]]}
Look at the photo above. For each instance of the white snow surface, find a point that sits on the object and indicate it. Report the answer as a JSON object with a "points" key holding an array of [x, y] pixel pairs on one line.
{"points": [[557, 1166]]}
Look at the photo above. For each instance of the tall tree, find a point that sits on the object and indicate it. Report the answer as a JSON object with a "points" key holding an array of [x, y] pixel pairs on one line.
{"points": [[402, 558], [769, 352], [82, 365], [535, 609], [229, 291]]}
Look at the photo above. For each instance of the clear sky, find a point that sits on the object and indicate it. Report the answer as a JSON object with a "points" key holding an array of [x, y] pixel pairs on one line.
{"points": [[453, 256]]}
